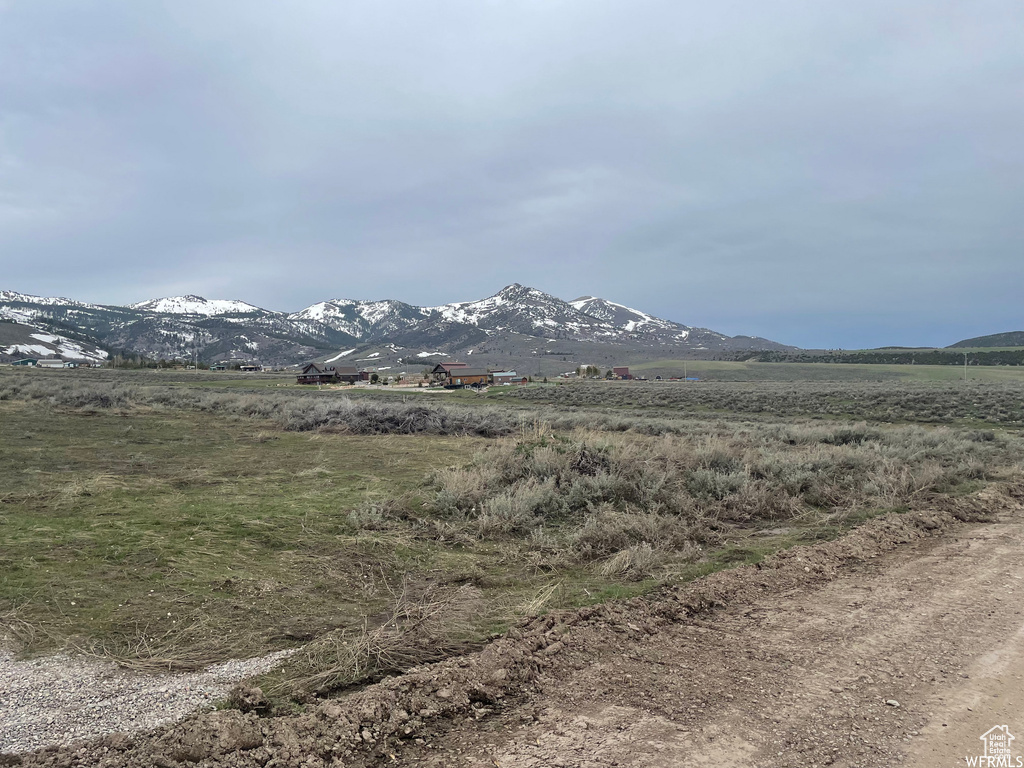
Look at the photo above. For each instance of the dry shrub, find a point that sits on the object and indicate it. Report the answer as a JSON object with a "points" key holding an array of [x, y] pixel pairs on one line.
{"points": [[292, 411], [578, 484], [609, 530], [378, 515], [519, 509], [889, 401], [421, 627], [895, 483], [761, 500], [460, 490], [633, 563]]}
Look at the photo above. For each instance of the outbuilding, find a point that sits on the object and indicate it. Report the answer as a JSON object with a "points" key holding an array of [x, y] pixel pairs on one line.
{"points": [[502, 377], [468, 377]]}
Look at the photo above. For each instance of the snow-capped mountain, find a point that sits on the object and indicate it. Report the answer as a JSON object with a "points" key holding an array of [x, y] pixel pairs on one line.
{"points": [[626, 318], [363, 319], [518, 321], [515, 309], [196, 305], [520, 309], [13, 298]]}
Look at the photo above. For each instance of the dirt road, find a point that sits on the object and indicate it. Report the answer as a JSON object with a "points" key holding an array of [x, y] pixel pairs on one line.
{"points": [[899, 644], [800, 678]]}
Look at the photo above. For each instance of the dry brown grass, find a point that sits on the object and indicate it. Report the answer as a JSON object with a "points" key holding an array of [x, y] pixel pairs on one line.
{"points": [[196, 641], [422, 626]]}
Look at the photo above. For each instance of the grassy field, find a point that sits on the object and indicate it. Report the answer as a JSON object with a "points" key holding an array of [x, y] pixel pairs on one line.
{"points": [[714, 370], [658, 406], [169, 525], [125, 527]]}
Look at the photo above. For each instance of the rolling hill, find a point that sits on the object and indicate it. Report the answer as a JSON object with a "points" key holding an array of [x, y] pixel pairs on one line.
{"points": [[1009, 339]]}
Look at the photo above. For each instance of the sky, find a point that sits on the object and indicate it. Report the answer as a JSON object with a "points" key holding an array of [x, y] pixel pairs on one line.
{"points": [[825, 174]]}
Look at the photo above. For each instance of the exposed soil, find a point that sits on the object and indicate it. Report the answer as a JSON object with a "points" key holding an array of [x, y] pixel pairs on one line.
{"points": [[899, 644]]}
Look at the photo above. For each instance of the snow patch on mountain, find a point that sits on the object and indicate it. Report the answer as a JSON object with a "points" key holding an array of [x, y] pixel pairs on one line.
{"points": [[52, 345], [629, 320], [195, 305], [323, 311], [44, 301], [340, 355], [28, 349], [362, 319], [472, 312]]}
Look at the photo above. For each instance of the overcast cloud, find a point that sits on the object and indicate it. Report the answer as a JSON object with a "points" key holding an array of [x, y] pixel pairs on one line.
{"points": [[821, 173]]}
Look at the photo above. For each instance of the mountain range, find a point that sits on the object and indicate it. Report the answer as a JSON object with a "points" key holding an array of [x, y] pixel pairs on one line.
{"points": [[518, 323]]}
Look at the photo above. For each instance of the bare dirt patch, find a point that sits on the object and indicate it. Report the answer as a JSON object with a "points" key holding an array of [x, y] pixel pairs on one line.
{"points": [[791, 662]]}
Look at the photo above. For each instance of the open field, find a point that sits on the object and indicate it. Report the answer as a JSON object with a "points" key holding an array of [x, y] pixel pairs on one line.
{"points": [[167, 525], [971, 403], [722, 370]]}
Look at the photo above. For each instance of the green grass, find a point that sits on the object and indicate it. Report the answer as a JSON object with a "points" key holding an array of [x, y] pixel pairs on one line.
{"points": [[174, 538], [121, 526]]}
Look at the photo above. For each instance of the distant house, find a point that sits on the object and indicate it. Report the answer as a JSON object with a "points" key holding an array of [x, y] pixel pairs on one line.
{"points": [[26, 361], [468, 377], [323, 374], [347, 373], [51, 364], [315, 374], [250, 368], [219, 367], [621, 372], [442, 372], [502, 377]]}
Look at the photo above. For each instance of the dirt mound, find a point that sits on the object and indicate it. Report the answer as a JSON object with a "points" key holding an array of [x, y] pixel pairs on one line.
{"points": [[371, 726]]}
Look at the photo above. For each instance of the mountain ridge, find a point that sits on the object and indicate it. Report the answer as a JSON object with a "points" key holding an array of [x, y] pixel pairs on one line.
{"points": [[1007, 339], [516, 321]]}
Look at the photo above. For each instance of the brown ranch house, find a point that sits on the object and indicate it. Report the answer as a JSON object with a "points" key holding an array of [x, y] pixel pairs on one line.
{"points": [[457, 375], [469, 377], [323, 374], [442, 371]]}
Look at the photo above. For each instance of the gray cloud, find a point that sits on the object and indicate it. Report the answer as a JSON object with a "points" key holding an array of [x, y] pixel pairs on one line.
{"points": [[824, 174]]}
